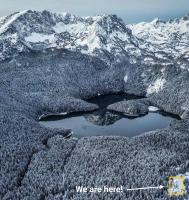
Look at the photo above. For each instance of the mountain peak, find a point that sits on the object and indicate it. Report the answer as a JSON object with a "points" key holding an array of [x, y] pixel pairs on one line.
{"points": [[157, 21], [9, 20], [105, 36], [112, 23], [16, 22], [186, 17]]}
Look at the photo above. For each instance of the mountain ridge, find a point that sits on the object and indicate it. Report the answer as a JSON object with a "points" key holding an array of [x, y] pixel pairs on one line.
{"points": [[106, 37]]}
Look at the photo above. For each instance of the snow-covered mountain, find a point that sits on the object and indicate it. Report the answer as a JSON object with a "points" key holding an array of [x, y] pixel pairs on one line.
{"points": [[102, 36], [166, 40], [106, 37]]}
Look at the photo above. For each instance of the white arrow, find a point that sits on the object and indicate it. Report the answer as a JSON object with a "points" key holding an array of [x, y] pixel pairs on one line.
{"points": [[147, 188]]}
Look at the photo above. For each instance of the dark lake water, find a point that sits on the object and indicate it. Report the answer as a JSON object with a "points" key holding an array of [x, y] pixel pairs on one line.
{"points": [[104, 122]]}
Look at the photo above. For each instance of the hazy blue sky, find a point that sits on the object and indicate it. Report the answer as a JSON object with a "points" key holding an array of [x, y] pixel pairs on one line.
{"points": [[129, 10]]}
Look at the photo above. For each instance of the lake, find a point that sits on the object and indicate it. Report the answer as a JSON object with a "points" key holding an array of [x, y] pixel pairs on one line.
{"points": [[103, 122]]}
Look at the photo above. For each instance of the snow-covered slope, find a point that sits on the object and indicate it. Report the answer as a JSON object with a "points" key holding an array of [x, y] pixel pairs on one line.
{"points": [[166, 40], [103, 36], [106, 37]]}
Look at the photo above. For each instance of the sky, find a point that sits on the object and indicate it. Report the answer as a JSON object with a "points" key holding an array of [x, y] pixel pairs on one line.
{"points": [[131, 11]]}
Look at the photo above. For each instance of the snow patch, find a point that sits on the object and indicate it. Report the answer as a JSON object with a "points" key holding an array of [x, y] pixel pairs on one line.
{"points": [[156, 86], [39, 37], [14, 38], [71, 28], [153, 109], [126, 78]]}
